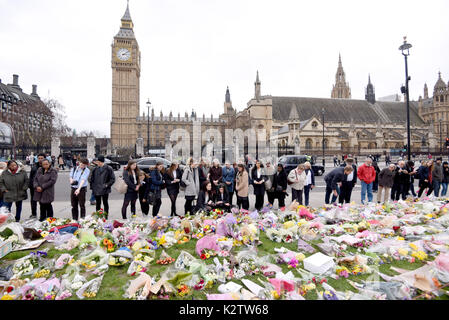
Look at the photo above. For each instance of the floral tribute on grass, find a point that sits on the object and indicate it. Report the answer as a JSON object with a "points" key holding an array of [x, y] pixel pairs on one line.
{"points": [[395, 251]]}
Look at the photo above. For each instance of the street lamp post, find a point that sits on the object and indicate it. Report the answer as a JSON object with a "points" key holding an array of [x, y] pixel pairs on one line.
{"points": [[405, 48], [148, 127], [324, 160], [441, 141]]}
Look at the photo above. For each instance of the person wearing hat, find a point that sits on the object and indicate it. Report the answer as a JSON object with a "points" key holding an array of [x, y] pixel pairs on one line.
{"points": [[101, 181]]}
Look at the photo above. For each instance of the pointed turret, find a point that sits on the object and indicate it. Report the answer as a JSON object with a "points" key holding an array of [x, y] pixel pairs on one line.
{"points": [[126, 29], [341, 88], [426, 91], [228, 96], [257, 85], [370, 96]]}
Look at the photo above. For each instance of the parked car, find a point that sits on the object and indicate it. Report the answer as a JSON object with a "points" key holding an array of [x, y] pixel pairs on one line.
{"points": [[146, 164], [292, 162], [114, 165]]}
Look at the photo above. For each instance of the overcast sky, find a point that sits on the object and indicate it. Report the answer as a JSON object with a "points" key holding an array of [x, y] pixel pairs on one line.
{"points": [[193, 49]]}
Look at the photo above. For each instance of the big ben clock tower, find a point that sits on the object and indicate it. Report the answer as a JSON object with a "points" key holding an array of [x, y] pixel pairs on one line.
{"points": [[125, 85]]}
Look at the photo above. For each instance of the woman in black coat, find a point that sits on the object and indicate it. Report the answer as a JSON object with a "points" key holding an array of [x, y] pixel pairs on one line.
{"points": [[172, 178], [280, 185], [144, 190], [206, 198], [131, 178], [258, 179], [221, 198]]}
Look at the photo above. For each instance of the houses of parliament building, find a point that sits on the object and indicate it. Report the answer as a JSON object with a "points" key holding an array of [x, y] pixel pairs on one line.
{"points": [[350, 126]]}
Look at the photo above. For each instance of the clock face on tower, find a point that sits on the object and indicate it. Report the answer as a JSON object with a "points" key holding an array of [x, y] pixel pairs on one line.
{"points": [[123, 54]]}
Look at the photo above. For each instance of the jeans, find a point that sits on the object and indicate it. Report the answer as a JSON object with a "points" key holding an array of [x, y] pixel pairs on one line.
{"points": [[412, 189], [436, 188], [444, 190], [78, 200], [367, 188], [46, 211], [243, 202], [297, 195], [33, 203], [307, 194], [329, 191], [156, 206], [92, 197], [18, 208], [105, 198]]}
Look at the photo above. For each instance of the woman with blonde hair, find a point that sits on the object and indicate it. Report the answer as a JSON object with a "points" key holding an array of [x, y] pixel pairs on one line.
{"points": [[310, 182], [191, 180]]}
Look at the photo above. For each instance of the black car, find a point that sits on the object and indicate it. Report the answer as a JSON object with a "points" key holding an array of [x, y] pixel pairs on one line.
{"points": [[114, 165], [292, 162]]}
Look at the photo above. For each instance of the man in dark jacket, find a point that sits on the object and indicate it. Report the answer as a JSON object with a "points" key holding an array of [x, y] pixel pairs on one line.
{"points": [[401, 182], [101, 181], [335, 178], [437, 176], [386, 178], [33, 172], [348, 185]]}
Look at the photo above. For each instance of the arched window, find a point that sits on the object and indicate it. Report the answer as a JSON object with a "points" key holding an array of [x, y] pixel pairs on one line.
{"points": [[326, 143], [314, 125], [309, 144]]}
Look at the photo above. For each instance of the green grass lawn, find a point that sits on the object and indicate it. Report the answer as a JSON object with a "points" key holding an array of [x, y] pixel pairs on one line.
{"points": [[115, 279]]}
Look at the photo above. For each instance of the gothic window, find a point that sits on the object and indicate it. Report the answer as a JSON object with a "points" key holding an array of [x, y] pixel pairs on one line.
{"points": [[309, 144], [314, 125], [326, 143]]}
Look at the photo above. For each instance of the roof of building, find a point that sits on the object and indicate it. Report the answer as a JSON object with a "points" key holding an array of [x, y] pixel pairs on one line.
{"points": [[16, 93], [342, 110]]}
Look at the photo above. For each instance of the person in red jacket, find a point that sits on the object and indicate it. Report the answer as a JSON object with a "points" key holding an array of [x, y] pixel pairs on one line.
{"points": [[367, 174]]}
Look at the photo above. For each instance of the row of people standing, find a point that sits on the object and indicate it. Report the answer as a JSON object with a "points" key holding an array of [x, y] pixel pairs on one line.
{"points": [[14, 185]]}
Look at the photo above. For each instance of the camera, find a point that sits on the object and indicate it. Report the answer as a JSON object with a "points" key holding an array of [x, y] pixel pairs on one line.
{"points": [[74, 183]]}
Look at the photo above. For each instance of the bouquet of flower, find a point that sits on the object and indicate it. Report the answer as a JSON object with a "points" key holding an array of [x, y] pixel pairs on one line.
{"points": [[117, 261], [100, 214], [165, 259], [9, 235], [145, 255], [108, 243], [90, 289], [121, 236], [206, 254], [183, 290], [25, 266]]}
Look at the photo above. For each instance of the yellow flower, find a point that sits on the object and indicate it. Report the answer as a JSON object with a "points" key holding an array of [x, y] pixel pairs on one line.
{"points": [[300, 257], [403, 252], [8, 297], [162, 240], [413, 246], [275, 294], [44, 234], [400, 238]]}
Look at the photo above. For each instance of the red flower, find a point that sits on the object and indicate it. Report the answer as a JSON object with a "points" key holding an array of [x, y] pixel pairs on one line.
{"points": [[203, 257], [9, 289], [395, 228]]}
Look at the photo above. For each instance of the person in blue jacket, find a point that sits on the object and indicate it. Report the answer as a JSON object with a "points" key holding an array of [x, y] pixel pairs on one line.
{"points": [[157, 183], [228, 180]]}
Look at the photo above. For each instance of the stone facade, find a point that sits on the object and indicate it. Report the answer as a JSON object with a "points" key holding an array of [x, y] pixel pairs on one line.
{"points": [[435, 109]]}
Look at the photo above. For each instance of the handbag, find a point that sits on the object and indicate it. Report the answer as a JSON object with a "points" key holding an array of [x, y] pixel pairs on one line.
{"points": [[120, 186], [182, 184]]}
